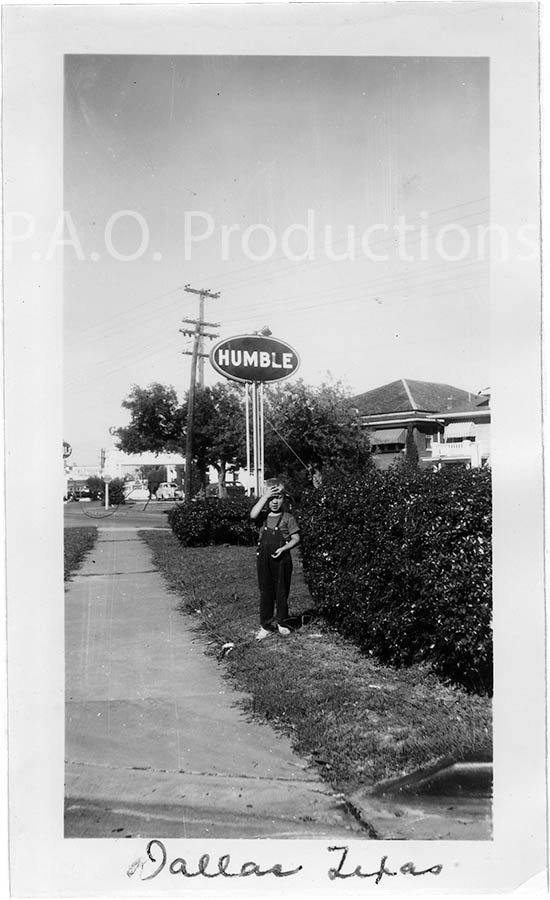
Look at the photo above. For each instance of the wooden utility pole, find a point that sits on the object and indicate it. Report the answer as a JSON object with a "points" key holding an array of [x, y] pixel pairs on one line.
{"points": [[197, 355]]}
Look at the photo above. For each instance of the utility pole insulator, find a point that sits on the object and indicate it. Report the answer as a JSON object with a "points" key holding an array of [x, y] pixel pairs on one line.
{"points": [[193, 332]]}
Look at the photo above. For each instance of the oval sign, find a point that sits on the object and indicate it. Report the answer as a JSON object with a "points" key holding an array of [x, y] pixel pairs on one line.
{"points": [[253, 357]]}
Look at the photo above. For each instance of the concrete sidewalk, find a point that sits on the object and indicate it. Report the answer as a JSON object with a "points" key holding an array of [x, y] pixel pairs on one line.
{"points": [[155, 744]]}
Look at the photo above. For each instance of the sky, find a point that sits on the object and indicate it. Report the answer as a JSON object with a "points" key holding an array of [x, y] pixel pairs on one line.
{"points": [[161, 151]]}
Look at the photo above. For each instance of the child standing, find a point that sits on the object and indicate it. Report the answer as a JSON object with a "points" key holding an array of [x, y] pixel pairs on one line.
{"points": [[279, 533]]}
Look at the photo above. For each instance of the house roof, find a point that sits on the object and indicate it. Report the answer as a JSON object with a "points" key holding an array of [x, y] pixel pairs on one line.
{"points": [[407, 395]]}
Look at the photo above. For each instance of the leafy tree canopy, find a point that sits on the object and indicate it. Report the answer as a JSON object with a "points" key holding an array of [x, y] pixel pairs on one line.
{"points": [[95, 485], [307, 429], [219, 429], [156, 421], [312, 428]]}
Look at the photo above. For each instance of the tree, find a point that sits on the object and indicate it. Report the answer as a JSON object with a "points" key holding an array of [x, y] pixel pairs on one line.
{"points": [[156, 421], [158, 424], [96, 486], [311, 429], [154, 476], [307, 429], [116, 492], [219, 432], [411, 450]]}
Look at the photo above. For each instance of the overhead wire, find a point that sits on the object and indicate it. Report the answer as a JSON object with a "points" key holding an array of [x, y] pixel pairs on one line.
{"points": [[125, 314], [282, 258], [411, 241], [385, 281], [261, 274], [379, 241], [393, 284], [277, 432]]}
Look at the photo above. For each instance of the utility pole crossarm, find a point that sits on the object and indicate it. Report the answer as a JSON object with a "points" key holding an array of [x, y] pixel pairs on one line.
{"points": [[198, 322], [202, 292]]}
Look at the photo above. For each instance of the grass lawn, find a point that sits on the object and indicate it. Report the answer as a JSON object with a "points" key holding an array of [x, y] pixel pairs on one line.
{"points": [[359, 722], [76, 542]]}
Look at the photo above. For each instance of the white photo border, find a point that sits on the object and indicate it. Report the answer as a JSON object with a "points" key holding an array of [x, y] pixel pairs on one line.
{"points": [[36, 38]]}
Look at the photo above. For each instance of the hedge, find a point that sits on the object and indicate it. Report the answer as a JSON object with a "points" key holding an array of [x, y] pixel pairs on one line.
{"points": [[401, 562], [204, 522]]}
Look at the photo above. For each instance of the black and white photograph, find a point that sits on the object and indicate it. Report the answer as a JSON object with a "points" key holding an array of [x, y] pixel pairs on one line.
{"points": [[274, 496]]}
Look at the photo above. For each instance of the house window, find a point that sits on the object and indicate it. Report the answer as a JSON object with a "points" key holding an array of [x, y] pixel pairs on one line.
{"points": [[388, 448]]}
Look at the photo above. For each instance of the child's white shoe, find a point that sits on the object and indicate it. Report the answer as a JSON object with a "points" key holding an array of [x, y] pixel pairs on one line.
{"points": [[262, 634], [283, 630]]}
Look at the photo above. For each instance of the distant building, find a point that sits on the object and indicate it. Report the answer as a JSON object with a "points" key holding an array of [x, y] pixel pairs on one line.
{"points": [[76, 477], [121, 465], [449, 426], [129, 466]]}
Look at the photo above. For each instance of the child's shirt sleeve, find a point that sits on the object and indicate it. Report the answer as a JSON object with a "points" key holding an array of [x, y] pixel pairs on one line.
{"points": [[291, 525], [260, 520]]}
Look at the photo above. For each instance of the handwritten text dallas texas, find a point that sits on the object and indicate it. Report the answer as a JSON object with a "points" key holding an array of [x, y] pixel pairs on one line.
{"points": [[223, 867]]}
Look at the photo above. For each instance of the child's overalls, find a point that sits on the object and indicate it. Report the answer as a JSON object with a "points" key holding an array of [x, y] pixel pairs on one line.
{"points": [[274, 577]]}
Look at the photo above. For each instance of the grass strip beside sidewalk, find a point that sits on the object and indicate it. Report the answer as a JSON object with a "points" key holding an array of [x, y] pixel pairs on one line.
{"points": [[76, 543], [359, 722]]}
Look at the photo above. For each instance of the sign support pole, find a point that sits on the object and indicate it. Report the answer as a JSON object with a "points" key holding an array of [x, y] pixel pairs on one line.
{"points": [[247, 426], [255, 460], [261, 430], [106, 480], [254, 359]]}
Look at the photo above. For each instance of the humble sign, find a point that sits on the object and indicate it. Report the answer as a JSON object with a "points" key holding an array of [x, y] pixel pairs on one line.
{"points": [[254, 358]]}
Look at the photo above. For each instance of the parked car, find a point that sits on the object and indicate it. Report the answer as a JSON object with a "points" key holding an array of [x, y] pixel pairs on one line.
{"points": [[169, 490], [135, 491], [81, 494]]}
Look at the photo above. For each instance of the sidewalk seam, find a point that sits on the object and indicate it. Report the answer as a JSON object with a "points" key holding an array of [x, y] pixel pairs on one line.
{"points": [[111, 574], [193, 773]]}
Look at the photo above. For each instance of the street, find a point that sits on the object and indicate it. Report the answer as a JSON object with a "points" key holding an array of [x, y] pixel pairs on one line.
{"points": [[145, 514]]}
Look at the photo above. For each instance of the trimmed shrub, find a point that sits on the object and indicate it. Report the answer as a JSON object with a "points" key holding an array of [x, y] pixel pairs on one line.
{"points": [[401, 562], [204, 522], [116, 492], [96, 486]]}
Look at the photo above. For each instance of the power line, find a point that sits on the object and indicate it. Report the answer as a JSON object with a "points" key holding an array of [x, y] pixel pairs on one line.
{"points": [[125, 313], [458, 267], [278, 433]]}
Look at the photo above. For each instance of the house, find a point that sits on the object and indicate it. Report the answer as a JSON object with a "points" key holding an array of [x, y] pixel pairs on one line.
{"points": [[446, 425]]}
